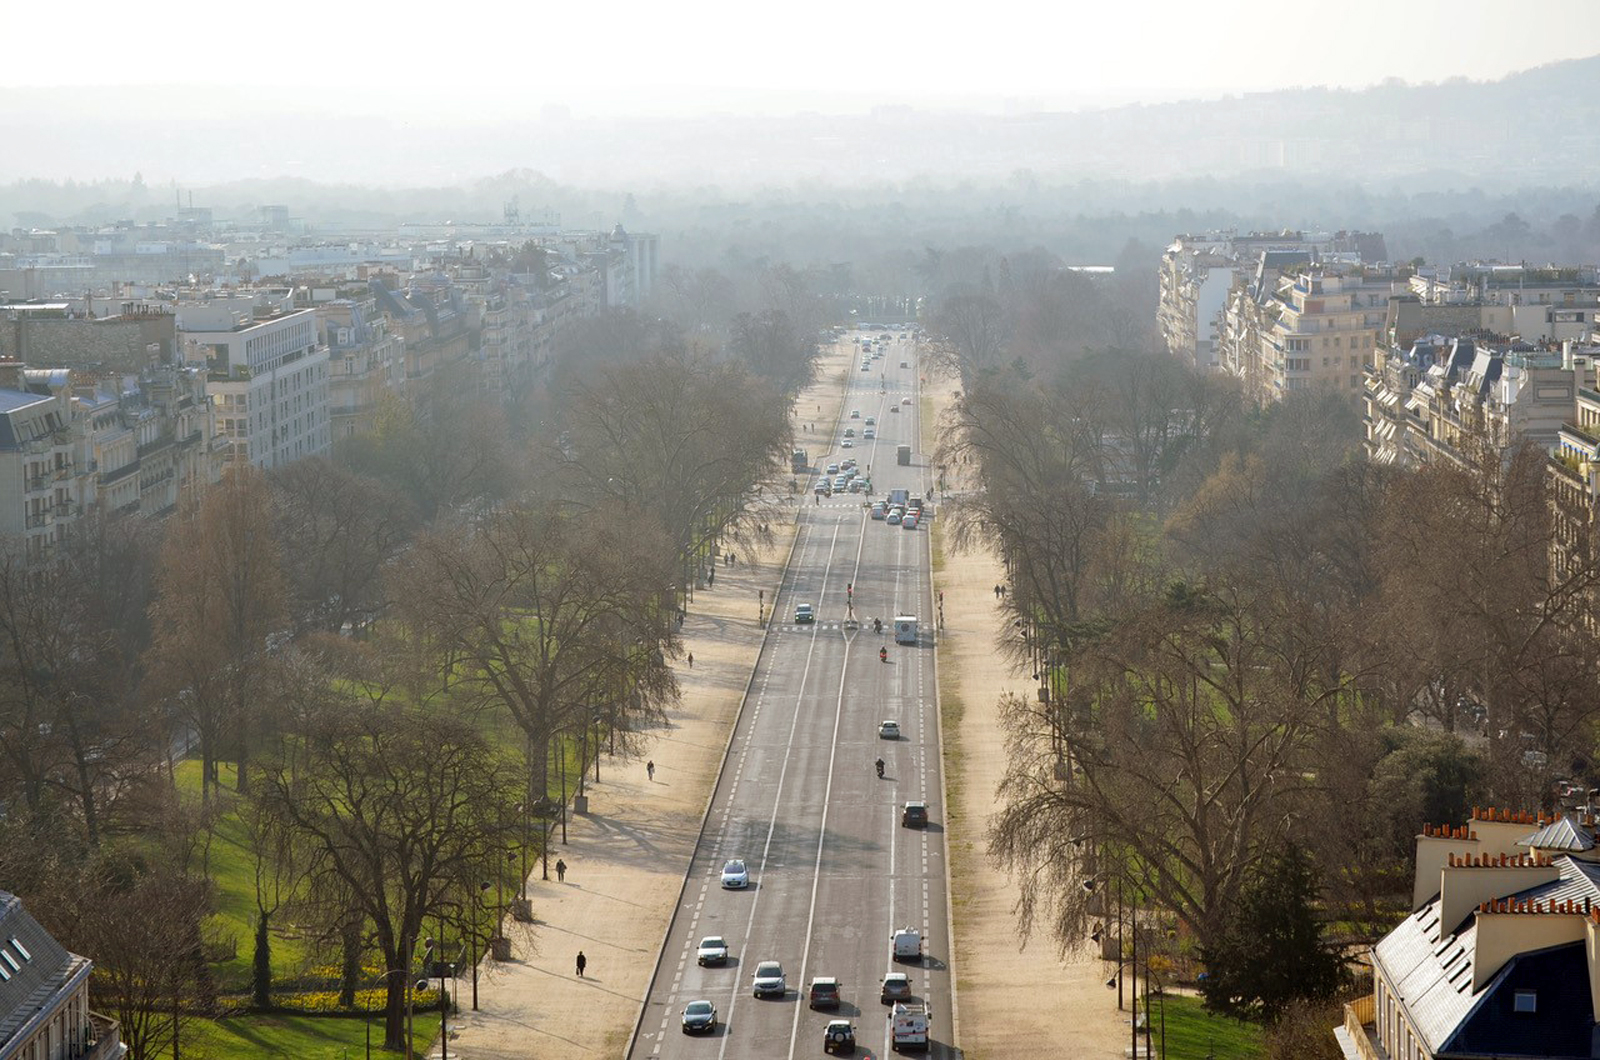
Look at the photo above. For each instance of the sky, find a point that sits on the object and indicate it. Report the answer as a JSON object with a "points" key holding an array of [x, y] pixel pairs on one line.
{"points": [[482, 58]]}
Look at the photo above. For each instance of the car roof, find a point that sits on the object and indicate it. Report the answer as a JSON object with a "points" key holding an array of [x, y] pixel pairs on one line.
{"points": [[824, 980]]}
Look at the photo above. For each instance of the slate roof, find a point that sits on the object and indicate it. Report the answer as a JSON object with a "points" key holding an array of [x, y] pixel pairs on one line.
{"points": [[34, 969], [1431, 973], [1561, 1025]]}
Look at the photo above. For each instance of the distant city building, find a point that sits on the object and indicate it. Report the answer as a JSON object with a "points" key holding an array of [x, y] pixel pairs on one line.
{"points": [[366, 361], [1198, 271], [44, 996], [267, 374]]}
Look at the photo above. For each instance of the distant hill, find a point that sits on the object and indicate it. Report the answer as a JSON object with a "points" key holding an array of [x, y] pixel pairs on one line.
{"points": [[1539, 126]]}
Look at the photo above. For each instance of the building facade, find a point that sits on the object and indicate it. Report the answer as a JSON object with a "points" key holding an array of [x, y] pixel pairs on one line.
{"points": [[1500, 956], [44, 996], [267, 374]]}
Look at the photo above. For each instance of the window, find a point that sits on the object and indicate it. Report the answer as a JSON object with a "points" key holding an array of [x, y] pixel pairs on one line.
{"points": [[1525, 1001]]}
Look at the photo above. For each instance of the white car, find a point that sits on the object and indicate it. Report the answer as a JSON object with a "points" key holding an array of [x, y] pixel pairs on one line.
{"points": [[905, 401], [869, 433], [769, 980], [847, 444], [889, 730], [713, 950], [735, 877]]}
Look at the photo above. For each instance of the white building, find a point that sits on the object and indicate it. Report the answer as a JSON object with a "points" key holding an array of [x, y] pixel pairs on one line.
{"points": [[268, 375]]}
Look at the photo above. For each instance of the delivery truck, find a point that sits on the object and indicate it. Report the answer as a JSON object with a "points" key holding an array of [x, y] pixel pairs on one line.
{"points": [[905, 629]]}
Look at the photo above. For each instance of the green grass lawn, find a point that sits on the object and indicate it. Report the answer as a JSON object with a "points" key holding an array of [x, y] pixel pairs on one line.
{"points": [[300, 1037], [232, 870], [1194, 1034]]}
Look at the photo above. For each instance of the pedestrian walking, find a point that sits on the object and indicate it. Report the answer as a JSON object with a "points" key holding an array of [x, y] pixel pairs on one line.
{"points": [[691, 660], [650, 769], [583, 962], [681, 616], [561, 871], [711, 577]]}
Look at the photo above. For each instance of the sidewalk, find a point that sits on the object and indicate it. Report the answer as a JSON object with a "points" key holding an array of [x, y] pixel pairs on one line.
{"points": [[1014, 1002], [627, 857]]}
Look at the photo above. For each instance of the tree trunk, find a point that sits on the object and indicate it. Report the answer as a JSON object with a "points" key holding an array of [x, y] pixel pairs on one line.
{"points": [[394, 1013], [261, 965], [350, 961]]}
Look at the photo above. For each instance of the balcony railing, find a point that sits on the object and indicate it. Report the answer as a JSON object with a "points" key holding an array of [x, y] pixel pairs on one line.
{"points": [[102, 1040], [1359, 1016]]}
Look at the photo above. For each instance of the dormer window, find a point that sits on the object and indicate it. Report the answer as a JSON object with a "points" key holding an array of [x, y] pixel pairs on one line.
{"points": [[1525, 1001]]}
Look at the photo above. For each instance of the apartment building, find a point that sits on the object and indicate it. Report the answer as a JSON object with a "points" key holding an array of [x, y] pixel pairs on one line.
{"points": [[1318, 330], [151, 438], [44, 468], [1424, 402], [1500, 956], [366, 362], [44, 996], [1198, 272], [267, 374]]}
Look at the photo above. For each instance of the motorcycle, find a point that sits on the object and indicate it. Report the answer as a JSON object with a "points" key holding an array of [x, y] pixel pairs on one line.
{"points": [[880, 769]]}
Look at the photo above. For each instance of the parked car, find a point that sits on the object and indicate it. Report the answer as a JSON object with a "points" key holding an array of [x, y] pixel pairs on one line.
{"points": [[699, 1017], [824, 992], [735, 877], [713, 949], [768, 980]]}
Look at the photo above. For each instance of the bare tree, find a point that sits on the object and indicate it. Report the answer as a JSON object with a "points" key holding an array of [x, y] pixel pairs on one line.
{"points": [[220, 596], [544, 614], [400, 813]]}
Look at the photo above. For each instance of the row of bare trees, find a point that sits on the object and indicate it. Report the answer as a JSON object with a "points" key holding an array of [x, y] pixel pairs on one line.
{"points": [[382, 650], [1244, 636]]}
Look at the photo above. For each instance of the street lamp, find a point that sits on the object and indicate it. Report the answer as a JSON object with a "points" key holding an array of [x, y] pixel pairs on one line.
{"points": [[477, 904], [429, 960]]}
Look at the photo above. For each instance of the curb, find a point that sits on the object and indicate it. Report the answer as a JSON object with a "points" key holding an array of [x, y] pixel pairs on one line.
{"points": [[944, 793]]}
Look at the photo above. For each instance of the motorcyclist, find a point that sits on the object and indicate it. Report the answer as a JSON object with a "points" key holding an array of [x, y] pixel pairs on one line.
{"points": [[880, 768], [883, 654], [877, 625]]}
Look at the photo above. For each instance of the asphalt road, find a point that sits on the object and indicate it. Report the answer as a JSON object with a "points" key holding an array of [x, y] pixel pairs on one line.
{"points": [[832, 871]]}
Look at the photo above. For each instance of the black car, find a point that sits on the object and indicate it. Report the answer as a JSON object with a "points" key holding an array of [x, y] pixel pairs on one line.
{"points": [[914, 815], [699, 1017]]}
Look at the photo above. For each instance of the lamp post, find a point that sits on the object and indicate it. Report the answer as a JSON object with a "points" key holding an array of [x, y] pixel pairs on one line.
{"points": [[384, 977], [477, 904], [430, 958]]}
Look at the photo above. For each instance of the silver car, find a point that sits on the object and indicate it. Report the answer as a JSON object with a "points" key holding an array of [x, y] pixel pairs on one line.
{"points": [[769, 981], [713, 949]]}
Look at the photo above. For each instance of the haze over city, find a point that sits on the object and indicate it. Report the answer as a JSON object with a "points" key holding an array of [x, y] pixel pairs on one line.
{"points": [[649, 532]]}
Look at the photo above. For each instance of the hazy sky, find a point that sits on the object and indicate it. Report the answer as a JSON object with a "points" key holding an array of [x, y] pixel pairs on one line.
{"points": [[477, 56]]}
